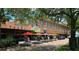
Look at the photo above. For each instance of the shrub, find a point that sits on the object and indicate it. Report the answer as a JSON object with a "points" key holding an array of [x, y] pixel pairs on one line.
{"points": [[33, 37], [26, 44], [63, 48], [8, 42]]}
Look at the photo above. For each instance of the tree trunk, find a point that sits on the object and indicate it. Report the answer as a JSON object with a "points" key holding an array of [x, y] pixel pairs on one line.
{"points": [[72, 40], [1, 17], [0, 30]]}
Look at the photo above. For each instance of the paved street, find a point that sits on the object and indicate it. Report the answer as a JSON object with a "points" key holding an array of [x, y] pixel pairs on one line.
{"points": [[49, 46]]}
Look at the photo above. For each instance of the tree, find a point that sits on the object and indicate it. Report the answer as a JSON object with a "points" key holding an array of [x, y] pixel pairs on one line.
{"points": [[24, 14], [1, 15], [3, 18], [71, 15], [37, 15]]}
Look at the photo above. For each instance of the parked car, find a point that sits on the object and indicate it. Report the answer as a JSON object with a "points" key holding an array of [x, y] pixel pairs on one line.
{"points": [[60, 37]]}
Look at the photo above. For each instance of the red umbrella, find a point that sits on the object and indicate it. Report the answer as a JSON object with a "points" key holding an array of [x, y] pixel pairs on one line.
{"points": [[27, 33]]}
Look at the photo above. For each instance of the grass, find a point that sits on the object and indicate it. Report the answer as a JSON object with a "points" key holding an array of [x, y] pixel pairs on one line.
{"points": [[63, 48]]}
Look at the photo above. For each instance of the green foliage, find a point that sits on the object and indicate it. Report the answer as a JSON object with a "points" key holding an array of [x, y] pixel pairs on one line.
{"points": [[63, 48], [3, 18], [77, 22], [77, 25], [8, 42], [23, 14], [59, 13], [20, 13], [26, 44]]}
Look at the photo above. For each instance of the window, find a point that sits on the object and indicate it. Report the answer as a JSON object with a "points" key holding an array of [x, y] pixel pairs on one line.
{"points": [[48, 25], [41, 23], [53, 25]]}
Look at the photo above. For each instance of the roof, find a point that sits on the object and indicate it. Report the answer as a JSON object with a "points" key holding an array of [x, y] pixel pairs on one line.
{"points": [[51, 21], [13, 25]]}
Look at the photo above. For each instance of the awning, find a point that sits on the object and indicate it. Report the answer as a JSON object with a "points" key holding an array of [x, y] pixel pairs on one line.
{"points": [[27, 33]]}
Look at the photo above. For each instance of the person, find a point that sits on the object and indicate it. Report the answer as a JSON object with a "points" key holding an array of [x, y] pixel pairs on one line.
{"points": [[27, 39], [55, 38], [69, 37]]}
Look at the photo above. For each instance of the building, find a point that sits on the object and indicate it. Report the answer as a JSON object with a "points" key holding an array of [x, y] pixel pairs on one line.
{"points": [[44, 26], [53, 27]]}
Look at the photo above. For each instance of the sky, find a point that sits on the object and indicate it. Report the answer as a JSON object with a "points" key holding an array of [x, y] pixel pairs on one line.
{"points": [[11, 18]]}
